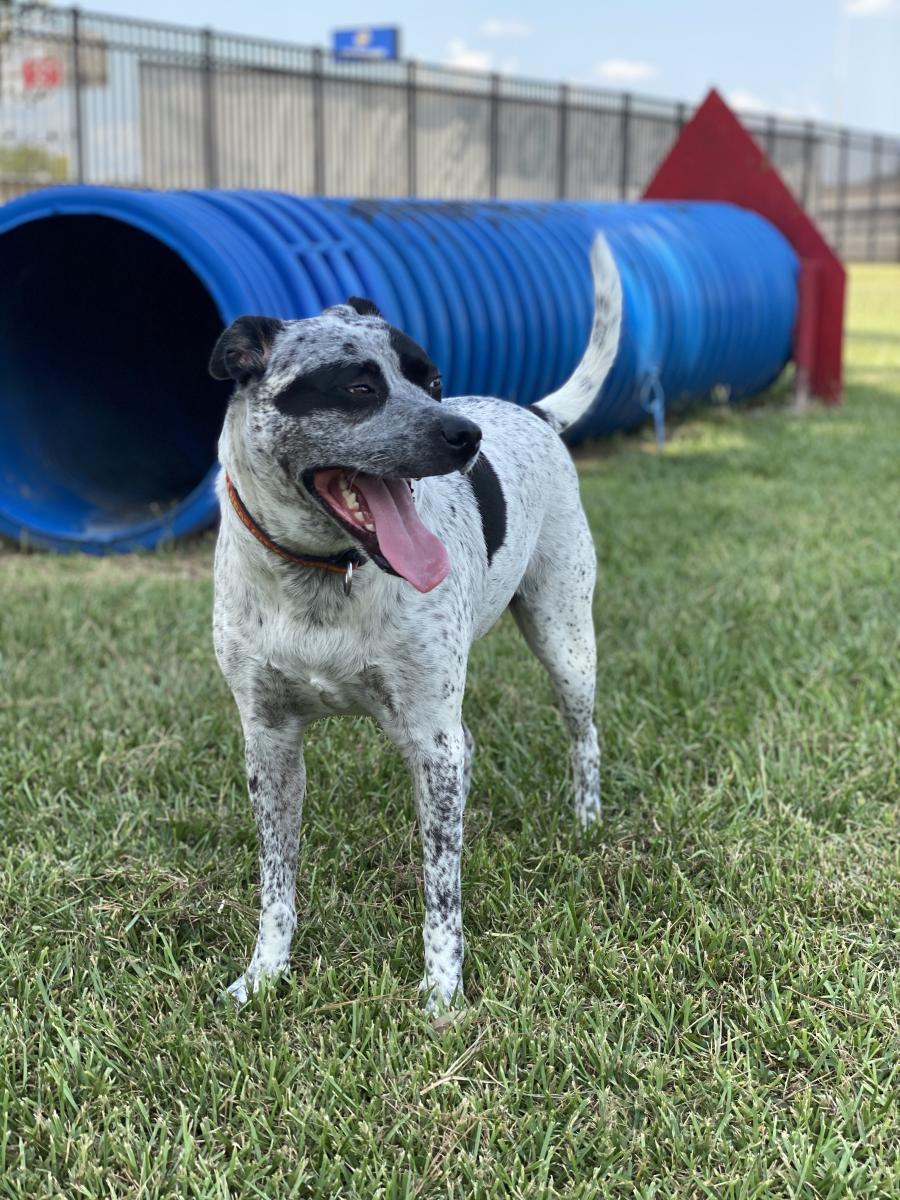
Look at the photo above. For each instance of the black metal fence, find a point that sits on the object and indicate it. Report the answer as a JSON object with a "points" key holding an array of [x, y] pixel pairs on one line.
{"points": [[86, 97]]}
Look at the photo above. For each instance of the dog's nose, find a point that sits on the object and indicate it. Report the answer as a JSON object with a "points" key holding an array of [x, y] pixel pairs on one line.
{"points": [[460, 434]]}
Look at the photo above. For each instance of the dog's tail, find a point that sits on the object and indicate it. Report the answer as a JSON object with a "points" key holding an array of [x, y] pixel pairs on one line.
{"points": [[563, 407]]}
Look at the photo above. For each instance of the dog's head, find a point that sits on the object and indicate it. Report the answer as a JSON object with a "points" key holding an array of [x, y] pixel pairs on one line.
{"points": [[348, 408]]}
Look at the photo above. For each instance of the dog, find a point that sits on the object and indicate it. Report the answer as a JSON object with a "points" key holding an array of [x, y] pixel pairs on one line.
{"points": [[371, 530]]}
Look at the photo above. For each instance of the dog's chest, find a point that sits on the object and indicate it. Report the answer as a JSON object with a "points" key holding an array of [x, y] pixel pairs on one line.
{"points": [[323, 693], [326, 671]]}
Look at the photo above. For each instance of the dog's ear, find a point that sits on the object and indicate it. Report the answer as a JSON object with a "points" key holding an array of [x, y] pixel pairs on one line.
{"points": [[364, 306], [242, 352]]}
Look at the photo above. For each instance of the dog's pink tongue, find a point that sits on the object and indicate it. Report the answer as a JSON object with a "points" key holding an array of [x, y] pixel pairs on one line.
{"points": [[411, 549]]}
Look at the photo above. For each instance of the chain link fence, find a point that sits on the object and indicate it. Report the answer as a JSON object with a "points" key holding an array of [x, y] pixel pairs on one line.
{"points": [[91, 98]]}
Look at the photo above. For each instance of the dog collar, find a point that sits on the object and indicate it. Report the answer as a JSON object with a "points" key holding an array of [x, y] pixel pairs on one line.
{"points": [[341, 564]]}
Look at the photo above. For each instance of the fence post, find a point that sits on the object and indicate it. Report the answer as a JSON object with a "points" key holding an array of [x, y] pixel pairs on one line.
{"points": [[771, 131], [76, 95], [843, 166], [494, 138], [680, 115], [562, 150], [875, 210], [809, 148], [318, 125], [210, 156], [625, 135], [411, 128]]}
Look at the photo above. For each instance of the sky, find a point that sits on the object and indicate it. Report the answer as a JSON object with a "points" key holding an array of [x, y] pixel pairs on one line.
{"points": [[832, 60]]}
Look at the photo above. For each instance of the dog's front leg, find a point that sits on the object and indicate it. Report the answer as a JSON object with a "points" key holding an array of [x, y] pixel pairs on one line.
{"points": [[276, 780], [437, 764]]}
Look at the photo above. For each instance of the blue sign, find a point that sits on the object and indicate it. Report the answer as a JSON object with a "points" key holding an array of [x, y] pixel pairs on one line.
{"points": [[375, 41]]}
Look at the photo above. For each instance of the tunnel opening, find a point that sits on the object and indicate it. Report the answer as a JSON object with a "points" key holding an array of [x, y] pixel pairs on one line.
{"points": [[108, 417]]}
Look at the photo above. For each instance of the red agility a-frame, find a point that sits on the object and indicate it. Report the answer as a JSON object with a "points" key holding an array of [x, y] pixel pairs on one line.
{"points": [[715, 158]]}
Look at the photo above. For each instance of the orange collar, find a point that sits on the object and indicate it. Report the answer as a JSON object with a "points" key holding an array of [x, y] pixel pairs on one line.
{"points": [[342, 564]]}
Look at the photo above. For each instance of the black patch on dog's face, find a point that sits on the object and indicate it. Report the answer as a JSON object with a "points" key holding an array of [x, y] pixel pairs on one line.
{"points": [[415, 364], [491, 504], [354, 389], [347, 390]]}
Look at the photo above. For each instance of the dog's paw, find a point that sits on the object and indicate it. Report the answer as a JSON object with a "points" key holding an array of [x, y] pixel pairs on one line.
{"points": [[251, 981], [239, 991]]}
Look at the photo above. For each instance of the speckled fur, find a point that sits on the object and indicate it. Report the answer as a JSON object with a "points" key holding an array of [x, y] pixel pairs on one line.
{"points": [[294, 648]]}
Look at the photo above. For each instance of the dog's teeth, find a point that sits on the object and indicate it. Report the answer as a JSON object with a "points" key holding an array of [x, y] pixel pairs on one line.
{"points": [[368, 525], [350, 498], [359, 517]]}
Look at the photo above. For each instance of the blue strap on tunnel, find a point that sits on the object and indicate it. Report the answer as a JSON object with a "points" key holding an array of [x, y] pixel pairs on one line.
{"points": [[653, 401]]}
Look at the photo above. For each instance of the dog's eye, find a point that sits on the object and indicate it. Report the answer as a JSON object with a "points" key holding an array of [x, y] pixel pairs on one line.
{"points": [[435, 387], [360, 389]]}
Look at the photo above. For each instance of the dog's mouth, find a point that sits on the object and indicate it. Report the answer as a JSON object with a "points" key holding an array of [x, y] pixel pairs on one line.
{"points": [[381, 515]]}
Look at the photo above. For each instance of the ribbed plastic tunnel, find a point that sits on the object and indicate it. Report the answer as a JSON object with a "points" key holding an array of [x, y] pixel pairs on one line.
{"points": [[112, 300]]}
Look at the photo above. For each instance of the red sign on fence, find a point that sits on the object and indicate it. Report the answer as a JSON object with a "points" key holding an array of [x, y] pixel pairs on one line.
{"points": [[42, 73]]}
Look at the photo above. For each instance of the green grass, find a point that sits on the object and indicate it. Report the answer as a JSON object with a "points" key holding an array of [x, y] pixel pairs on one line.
{"points": [[702, 1001]]}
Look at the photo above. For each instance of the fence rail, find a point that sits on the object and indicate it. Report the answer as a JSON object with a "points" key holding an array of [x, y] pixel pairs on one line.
{"points": [[86, 97]]}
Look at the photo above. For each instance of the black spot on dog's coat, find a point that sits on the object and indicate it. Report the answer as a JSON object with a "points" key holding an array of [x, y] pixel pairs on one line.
{"points": [[491, 505], [539, 413], [415, 364]]}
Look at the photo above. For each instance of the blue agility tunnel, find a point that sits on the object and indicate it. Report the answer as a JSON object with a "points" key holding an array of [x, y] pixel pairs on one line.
{"points": [[111, 301]]}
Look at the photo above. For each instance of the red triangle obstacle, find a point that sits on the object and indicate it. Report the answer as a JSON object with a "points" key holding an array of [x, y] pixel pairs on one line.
{"points": [[715, 158]]}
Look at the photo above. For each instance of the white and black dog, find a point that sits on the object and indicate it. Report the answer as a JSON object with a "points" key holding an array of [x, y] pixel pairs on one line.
{"points": [[342, 464]]}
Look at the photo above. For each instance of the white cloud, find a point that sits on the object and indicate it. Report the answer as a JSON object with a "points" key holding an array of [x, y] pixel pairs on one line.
{"points": [[502, 28], [746, 101], [624, 70], [469, 59], [869, 8]]}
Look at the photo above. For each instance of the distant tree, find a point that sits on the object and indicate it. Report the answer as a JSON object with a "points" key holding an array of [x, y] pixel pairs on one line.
{"points": [[33, 163]]}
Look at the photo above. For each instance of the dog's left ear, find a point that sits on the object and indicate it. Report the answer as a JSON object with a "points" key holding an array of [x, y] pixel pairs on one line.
{"points": [[242, 352], [365, 307]]}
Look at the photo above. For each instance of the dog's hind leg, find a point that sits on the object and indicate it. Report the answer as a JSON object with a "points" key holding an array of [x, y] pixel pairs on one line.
{"points": [[553, 610], [276, 780], [469, 760]]}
